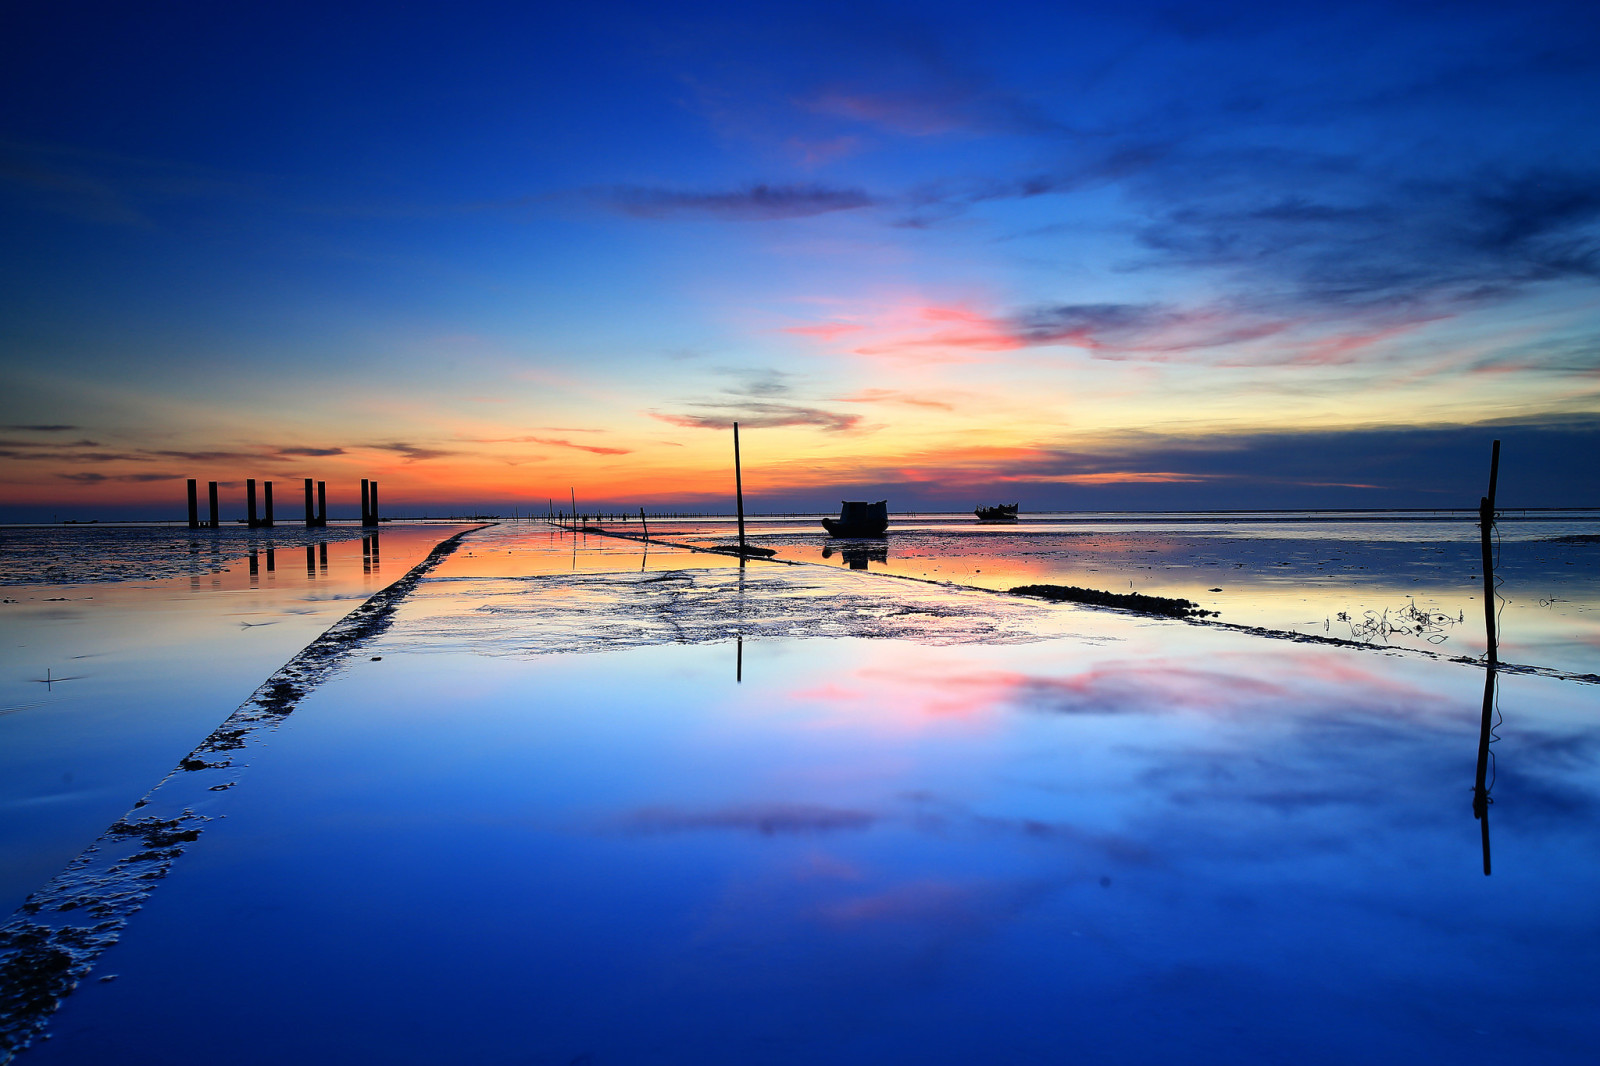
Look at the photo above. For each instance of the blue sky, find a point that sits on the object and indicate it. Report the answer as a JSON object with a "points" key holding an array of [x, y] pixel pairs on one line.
{"points": [[1084, 256]]}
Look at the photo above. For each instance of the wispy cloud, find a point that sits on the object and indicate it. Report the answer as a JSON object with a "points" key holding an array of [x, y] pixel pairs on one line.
{"points": [[39, 428], [90, 478], [596, 449], [759, 202], [763, 415], [311, 452], [412, 452], [893, 396], [558, 442]]}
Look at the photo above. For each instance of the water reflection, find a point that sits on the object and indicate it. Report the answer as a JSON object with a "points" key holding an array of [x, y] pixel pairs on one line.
{"points": [[857, 555], [1483, 784]]}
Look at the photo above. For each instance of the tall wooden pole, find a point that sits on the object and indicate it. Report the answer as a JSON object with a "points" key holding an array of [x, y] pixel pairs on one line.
{"points": [[250, 503], [372, 504], [311, 513], [738, 487], [322, 503], [266, 488], [211, 490], [1480, 788], [194, 504], [364, 484], [1485, 527]]}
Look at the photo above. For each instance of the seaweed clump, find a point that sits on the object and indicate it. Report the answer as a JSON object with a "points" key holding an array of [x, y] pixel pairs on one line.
{"points": [[1167, 606]]}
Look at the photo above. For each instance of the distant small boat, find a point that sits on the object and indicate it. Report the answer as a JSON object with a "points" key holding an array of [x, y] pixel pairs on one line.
{"points": [[859, 520], [1000, 512]]}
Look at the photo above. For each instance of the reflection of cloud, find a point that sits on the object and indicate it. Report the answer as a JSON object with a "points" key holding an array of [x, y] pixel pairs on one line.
{"points": [[941, 902], [766, 819]]}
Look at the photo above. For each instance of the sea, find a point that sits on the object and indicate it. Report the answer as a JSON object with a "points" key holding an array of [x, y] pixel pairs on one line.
{"points": [[509, 792]]}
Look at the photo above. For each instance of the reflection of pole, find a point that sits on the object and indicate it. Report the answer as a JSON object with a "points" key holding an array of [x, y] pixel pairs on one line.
{"points": [[1480, 788], [738, 664], [738, 488], [645, 523]]}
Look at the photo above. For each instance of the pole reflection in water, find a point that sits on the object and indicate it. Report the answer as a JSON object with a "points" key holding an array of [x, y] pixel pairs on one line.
{"points": [[1481, 787], [311, 560], [366, 555], [272, 560], [322, 557], [375, 552]]}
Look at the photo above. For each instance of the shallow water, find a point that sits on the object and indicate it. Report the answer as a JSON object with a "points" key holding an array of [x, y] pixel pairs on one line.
{"points": [[1409, 580], [942, 827], [105, 685]]}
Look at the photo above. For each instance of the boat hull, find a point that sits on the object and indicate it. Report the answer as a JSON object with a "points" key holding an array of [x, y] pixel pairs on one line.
{"points": [[870, 530]]}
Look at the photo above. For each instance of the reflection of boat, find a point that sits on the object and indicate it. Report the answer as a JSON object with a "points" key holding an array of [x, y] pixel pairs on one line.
{"points": [[1000, 512], [857, 556], [859, 520]]}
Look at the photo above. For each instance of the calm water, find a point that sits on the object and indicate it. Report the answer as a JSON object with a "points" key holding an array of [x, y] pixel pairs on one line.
{"points": [[587, 803], [142, 670], [1409, 579]]}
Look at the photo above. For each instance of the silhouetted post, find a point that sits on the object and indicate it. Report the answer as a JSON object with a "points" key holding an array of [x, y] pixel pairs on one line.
{"points": [[1480, 789], [738, 487], [266, 488], [194, 504], [255, 562], [250, 503], [272, 560], [372, 504], [212, 492], [645, 523], [322, 503], [1485, 527], [311, 514], [364, 490]]}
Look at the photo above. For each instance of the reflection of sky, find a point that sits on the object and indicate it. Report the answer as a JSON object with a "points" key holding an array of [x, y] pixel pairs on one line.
{"points": [[152, 667], [1232, 254], [1408, 583], [1172, 844]]}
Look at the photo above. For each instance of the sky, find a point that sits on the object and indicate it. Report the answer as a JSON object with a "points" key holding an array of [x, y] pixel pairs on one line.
{"points": [[1080, 256]]}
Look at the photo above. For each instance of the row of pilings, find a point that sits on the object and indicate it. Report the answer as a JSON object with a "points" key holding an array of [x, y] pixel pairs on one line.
{"points": [[316, 510]]}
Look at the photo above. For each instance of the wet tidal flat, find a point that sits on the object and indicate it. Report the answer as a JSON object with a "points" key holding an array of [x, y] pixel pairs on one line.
{"points": [[580, 801]]}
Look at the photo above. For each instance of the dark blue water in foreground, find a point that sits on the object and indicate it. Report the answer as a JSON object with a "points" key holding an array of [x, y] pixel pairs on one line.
{"points": [[807, 815]]}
